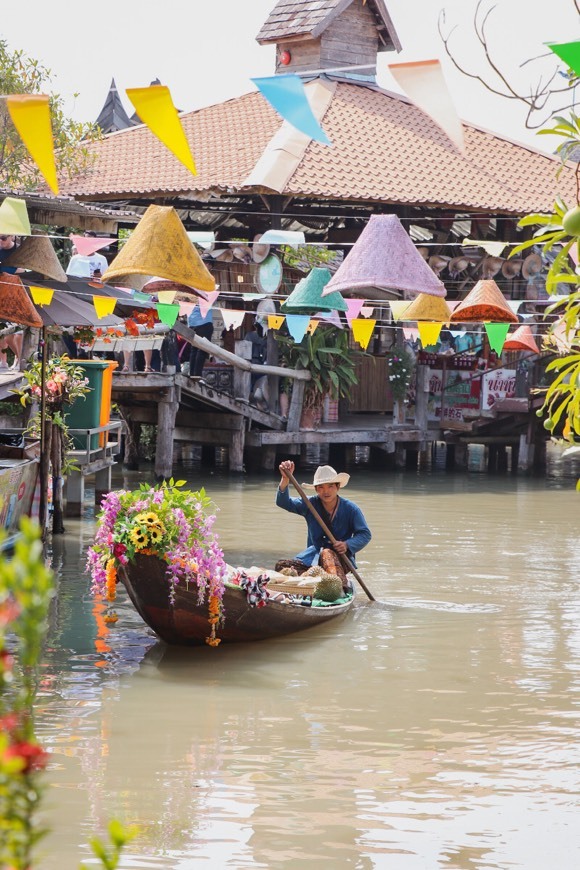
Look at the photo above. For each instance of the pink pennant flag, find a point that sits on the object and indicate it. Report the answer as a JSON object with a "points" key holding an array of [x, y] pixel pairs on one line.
{"points": [[185, 308], [367, 311], [362, 330], [275, 321], [88, 245], [232, 319], [206, 304], [425, 85], [452, 305], [353, 309], [410, 333], [330, 317]]}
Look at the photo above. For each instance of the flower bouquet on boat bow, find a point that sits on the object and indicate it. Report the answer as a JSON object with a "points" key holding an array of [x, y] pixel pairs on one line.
{"points": [[160, 543]]}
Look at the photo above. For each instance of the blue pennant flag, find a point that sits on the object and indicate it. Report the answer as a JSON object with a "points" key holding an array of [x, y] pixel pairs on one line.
{"points": [[287, 96], [297, 325]]}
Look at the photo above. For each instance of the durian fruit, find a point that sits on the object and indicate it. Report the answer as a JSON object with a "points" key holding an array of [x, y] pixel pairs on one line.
{"points": [[314, 571], [289, 572], [328, 588]]}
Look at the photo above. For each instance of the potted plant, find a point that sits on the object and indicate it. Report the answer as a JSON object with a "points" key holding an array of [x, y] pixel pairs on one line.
{"points": [[326, 355]]}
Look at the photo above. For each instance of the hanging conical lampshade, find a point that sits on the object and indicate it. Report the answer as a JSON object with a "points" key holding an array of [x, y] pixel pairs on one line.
{"points": [[15, 303], [383, 263], [159, 247], [485, 302], [36, 253], [307, 296], [521, 339], [428, 308]]}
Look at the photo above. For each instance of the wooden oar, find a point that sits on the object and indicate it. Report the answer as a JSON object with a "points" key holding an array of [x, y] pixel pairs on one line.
{"points": [[344, 558]]}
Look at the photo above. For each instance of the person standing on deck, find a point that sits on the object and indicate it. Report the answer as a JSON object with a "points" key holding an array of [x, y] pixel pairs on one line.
{"points": [[343, 517]]}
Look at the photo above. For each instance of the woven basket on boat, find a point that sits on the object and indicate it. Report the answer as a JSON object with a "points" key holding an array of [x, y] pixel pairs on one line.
{"points": [[293, 586]]}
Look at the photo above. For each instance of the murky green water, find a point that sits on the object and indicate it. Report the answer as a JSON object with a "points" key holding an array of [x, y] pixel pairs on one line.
{"points": [[435, 729]]}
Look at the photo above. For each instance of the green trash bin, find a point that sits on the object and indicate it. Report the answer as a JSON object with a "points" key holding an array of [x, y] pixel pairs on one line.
{"points": [[85, 413]]}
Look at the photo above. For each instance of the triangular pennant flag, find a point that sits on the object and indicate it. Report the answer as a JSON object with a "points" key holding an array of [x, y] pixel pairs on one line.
{"points": [[185, 308], [232, 319], [41, 295], [429, 333], [424, 83], [496, 333], [569, 52], [452, 304], [311, 328], [30, 115], [514, 304], [166, 297], [168, 314], [206, 304], [398, 307], [330, 317], [275, 321], [494, 249], [140, 297], [88, 245], [155, 108], [297, 325], [367, 311], [287, 96], [104, 305], [353, 309], [411, 333], [362, 330], [14, 220]]}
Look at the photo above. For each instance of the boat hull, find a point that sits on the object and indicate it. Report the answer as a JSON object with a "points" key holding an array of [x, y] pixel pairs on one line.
{"points": [[17, 484], [186, 623]]}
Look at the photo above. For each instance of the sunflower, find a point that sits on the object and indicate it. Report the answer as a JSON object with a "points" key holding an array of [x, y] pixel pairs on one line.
{"points": [[139, 538], [155, 534], [148, 519]]}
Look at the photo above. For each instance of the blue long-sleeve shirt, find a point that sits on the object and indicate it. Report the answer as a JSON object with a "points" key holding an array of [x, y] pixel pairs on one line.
{"points": [[348, 525]]}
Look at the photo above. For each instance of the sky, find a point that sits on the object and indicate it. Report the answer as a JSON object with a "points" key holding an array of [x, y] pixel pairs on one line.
{"points": [[206, 52]]}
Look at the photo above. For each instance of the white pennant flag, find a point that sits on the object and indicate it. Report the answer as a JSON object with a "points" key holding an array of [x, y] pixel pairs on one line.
{"points": [[232, 319]]}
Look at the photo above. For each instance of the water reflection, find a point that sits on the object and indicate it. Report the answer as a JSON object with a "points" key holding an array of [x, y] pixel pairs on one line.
{"points": [[434, 729]]}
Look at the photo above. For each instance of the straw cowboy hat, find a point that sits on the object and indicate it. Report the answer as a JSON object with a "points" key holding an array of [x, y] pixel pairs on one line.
{"points": [[438, 263], [511, 268], [223, 255], [531, 265], [242, 253], [259, 251], [327, 474], [490, 266]]}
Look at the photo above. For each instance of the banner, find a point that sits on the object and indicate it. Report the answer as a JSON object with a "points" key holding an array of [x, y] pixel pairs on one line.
{"points": [[41, 295], [362, 330], [30, 115], [167, 314], [287, 96], [155, 108]]}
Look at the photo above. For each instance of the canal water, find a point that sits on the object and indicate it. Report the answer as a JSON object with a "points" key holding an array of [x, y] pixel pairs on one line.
{"points": [[436, 728]]}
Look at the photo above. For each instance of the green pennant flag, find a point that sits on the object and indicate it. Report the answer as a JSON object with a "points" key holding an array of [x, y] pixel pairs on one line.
{"points": [[569, 52], [496, 333], [168, 314], [141, 297]]}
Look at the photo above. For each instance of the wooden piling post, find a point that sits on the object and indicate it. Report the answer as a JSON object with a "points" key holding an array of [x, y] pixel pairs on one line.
{"points": [[236, 449], [166, 414]]}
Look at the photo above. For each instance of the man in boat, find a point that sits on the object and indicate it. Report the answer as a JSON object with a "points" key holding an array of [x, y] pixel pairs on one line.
{"points": [[342, 517]]}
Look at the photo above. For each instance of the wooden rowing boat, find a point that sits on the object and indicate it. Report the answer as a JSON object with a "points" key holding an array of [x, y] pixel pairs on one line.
{"points": [[185, 622]]}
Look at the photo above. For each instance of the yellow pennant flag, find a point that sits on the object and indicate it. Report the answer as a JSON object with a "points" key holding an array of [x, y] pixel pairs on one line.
{"points": [[398, 307], [30, 115], [155, 108], [41, 295], [104, 305], [275, 321], [428, 333], [166, 297], [311, 328], [362, 329]]}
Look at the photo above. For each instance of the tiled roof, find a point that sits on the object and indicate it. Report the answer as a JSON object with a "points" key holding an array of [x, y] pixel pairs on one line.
{"points": [[385, 150], [295, 18]]}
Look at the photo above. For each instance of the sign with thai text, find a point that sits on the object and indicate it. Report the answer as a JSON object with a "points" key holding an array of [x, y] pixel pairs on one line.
{"points": [[497, 384]]}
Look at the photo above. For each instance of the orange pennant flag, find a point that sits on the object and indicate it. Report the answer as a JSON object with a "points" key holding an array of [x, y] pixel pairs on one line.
{"points": [[362, 329], [104, 305], [30, 115], [41, 295], [155, 108], [275, 321], [428, 333]]}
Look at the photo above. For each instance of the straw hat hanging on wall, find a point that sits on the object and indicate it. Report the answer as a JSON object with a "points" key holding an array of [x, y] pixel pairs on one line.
{"points": [[490, 266], [259, 251], [511, 268], [438, 263], [531, 266]]}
